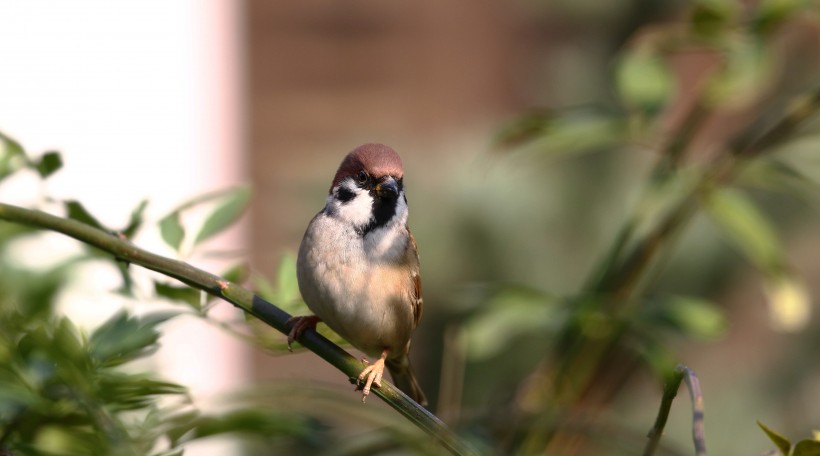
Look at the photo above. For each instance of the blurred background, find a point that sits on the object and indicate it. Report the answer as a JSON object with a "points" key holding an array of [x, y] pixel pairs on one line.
{"points": [[594, 187]]}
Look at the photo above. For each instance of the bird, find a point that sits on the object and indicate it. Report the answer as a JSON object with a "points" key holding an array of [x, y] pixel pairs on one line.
{"points": [[358, 267]]}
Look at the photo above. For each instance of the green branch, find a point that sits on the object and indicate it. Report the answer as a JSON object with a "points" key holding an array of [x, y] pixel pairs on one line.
{"points": [[669, 392], [242, 298]]}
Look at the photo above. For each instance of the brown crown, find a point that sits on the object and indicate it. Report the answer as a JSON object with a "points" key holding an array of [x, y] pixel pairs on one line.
{"points": [[377, 159]]}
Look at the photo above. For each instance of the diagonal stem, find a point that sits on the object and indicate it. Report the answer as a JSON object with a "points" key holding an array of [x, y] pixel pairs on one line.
{"points": [[682, 373], [240, 297]]}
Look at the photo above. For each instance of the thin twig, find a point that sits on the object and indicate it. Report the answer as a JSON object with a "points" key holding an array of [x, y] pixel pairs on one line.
{"points": [[242, 298], [696, 396], [682, 373]]}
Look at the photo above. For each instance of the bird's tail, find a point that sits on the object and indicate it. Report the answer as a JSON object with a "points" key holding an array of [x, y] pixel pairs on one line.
{"points": [[403, 377]]}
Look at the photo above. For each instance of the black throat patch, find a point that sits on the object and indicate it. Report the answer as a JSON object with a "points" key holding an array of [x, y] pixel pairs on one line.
{"points": [[383, 209]]}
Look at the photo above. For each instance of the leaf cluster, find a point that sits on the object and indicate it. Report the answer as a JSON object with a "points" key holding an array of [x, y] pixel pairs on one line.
{"points": [[805, 447], [626, 314], [67, 390]]}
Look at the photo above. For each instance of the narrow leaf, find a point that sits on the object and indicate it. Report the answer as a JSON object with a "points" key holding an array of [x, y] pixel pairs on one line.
{"points": [[566, 133], [171, 230], [511, 313], [238, 273], [523, 130], [782, 443], [77, 211], [694, 317], [773, 174], [135, 221], [127, 288], [180, 424], [49, 163], [747, 228], [250, 421], [287, 287], [10, 145], [225, 214], [807, 448], [12, 156], [264, 288]]}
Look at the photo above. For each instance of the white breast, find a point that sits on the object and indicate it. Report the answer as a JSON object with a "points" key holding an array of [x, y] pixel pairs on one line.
{"points": [[360, 287]]}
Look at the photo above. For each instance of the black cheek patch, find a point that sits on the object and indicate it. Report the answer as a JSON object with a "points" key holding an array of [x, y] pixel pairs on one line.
{"points": [[344, 195]]}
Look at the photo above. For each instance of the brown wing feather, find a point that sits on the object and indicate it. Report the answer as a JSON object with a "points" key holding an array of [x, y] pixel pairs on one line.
{"points": [[414, 268]]}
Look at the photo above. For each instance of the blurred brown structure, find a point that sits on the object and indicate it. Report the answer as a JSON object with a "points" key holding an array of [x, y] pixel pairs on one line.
{"points": [[325, 77]]}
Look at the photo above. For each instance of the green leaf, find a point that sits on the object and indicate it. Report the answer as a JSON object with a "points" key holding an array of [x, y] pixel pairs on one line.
{"points": [[135, 222], [184, 294], [659, 357], [227, 213], [35, 293], [772, 174], [264, 288], [10, 145], [564, 133], [747, 228], [12, 156], [253, 421], [237, 274], [695, 317], [127, 288], [67, 340], [124, 392], [581, 132], [180, 424], [285, 291], [78, 212], [713, 17], [287, 286], [807, 448], [123, 338], [523, 130], [511, 313], [171, 230], [644, 80], [48, 164], [782, 443], [772, 13]]}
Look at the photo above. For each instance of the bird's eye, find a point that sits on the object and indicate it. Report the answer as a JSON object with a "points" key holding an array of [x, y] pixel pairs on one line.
{"points": [[362, 178]]}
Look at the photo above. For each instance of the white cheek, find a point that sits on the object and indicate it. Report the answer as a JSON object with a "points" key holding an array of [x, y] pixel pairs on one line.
{"points": [[356, 211]]}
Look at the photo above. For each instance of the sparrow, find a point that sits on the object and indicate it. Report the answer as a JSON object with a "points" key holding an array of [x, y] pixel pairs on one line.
{"points": [[358, 267]]}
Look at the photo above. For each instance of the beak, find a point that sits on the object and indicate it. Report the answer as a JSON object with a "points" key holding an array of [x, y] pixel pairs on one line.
{"points": [[387, 188]]}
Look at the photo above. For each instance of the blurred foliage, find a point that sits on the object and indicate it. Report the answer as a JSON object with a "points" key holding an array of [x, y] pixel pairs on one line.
{"points": [[716, 112], [227, 206], [805, 447], [720, 151], [67, 391]]}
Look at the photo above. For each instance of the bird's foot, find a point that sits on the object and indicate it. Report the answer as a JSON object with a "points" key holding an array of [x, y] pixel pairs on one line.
{"points": [[300, 325], [372, 375]]}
